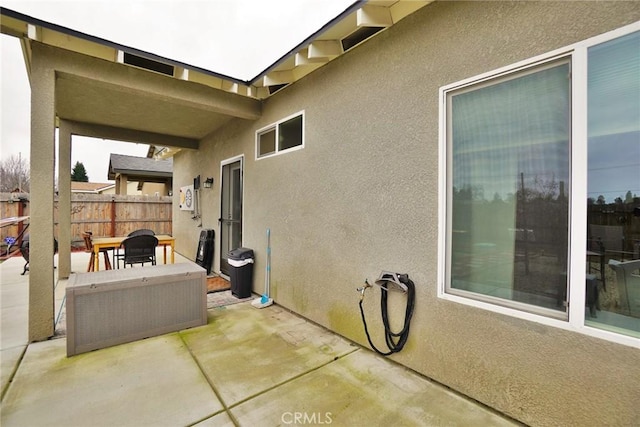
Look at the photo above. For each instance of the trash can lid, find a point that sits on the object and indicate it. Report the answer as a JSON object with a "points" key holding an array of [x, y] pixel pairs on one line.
{"points": [[240, 263], [240, 254]]}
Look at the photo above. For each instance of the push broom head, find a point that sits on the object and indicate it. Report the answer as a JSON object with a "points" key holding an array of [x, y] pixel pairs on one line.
{"points": [[262, 302]]}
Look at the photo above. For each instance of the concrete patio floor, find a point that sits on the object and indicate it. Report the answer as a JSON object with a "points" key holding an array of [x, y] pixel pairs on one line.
{"points": [[247, 367]]}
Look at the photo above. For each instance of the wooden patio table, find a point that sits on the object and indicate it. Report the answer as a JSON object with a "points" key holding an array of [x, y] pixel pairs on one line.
{"points": [[98, 243], [5, 222]]}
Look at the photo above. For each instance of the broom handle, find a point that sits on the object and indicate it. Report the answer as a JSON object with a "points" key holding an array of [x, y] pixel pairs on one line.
{"points": [[267, 279]]}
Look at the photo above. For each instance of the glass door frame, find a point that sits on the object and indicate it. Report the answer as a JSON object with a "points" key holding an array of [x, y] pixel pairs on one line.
{"points": [[225, 234]]}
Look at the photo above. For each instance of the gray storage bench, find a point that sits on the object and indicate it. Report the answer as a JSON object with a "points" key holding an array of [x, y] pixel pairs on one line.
{"points": [[106, 308]]}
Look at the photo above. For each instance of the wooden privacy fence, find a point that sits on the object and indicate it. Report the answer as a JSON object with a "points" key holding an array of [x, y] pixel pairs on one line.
{"points": [[101, 214]]}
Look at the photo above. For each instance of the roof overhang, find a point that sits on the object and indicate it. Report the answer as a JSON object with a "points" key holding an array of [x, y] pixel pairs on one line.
{"points": [[151, 99], [356, 24]]}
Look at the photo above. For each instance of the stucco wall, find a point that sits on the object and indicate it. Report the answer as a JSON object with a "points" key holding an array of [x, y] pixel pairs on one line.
{"points": [[235, 139], [362, 197]]}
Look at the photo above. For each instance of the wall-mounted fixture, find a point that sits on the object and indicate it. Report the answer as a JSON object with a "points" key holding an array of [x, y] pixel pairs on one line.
{"points": [[208, 183]]}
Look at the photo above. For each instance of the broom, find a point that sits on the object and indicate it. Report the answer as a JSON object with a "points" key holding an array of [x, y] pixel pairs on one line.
{"points": [[264, 300]]}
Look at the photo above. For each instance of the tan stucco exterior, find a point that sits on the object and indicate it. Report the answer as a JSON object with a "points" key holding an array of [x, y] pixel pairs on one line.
{"points": [[42, 185], [77, 90], [362, 196], [64, 199]]}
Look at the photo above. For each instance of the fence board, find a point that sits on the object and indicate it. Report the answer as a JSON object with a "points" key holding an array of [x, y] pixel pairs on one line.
{"points": [[94, 212]]}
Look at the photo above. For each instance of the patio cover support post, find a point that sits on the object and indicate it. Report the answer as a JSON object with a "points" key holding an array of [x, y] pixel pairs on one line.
{"points": [[64, 200], [41, 278], [121, 184]]}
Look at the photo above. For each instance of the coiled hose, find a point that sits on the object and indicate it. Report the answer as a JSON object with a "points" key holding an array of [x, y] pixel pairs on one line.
{"points": [[395, 341]]}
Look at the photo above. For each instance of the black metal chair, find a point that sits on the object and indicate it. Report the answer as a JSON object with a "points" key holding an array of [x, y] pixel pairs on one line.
{"points": [[118, 255], [140, 250], [24, 250]]}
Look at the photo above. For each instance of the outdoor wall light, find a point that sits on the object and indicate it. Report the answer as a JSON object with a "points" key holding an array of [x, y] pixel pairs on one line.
{"points": [[208, 183]]}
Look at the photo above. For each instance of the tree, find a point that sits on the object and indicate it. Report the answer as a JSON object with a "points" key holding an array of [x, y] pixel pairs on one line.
{"points": [[14, 174], [628, 198], [79, 173]]}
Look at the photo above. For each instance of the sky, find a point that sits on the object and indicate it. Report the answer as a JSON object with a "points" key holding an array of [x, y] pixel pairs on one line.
{"points": [[238, 38]]}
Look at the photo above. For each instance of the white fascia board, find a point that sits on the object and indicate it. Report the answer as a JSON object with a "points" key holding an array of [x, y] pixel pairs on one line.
{"points": [[373, 16], [302, 58], [181, 73], [34, 32], [324, 49], [405, 8], [278, 77]]}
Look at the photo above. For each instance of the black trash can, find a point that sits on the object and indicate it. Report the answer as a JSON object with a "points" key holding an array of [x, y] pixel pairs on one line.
{"points": [[241, 272]]}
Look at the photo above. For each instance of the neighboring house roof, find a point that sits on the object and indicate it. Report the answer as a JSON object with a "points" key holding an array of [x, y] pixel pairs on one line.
{"points": [[143, 168], [90, 187]]}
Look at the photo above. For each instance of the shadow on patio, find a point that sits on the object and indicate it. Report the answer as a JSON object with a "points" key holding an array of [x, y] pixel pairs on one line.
{"points": [[247, 366]]}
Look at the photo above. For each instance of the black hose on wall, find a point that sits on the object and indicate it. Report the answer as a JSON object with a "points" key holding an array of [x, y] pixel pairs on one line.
{"points": [[395, 341]]}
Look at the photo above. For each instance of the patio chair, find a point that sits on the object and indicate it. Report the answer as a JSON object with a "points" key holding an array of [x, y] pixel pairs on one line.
{"points": [[24, 250], [628, 278], [140, 250], [605, 242], [89, 248], [118, 255], [609, 240]]}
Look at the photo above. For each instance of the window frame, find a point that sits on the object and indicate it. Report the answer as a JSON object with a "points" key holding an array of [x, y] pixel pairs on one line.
{"points": [[577, 55], [276, 126]]}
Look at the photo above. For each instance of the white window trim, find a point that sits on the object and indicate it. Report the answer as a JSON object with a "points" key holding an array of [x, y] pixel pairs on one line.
{"points": [[578, 190], [276, 126], [223, 163]]}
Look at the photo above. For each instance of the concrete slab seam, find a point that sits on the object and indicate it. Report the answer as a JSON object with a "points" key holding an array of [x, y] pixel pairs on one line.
{"points": [[210, 382], [336, 358], [13, 373], [213, 415], [60, 311]]}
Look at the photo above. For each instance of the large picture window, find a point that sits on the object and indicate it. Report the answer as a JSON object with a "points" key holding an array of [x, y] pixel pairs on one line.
{"points": [[509, 169], [531, 155], [613, 184]]}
